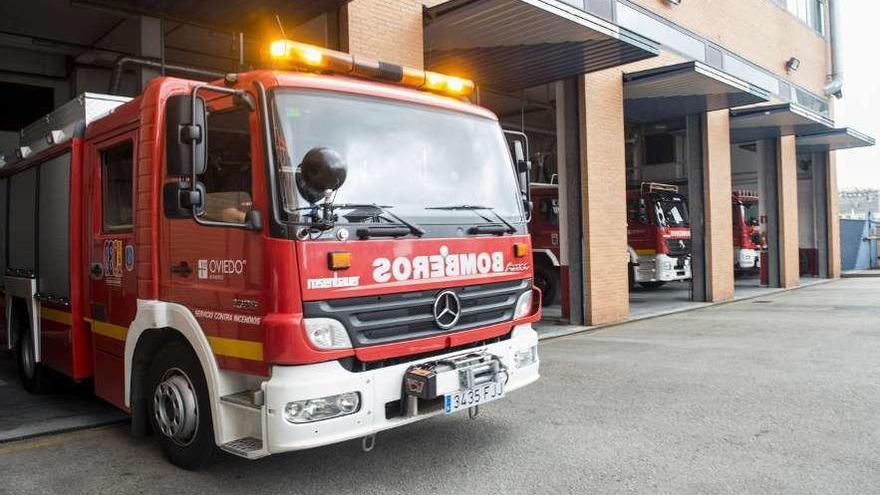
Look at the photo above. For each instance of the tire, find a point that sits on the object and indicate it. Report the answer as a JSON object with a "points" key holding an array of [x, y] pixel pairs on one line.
{"points": [[32, 374], [547, 279], [652, 285], [179, 407]]}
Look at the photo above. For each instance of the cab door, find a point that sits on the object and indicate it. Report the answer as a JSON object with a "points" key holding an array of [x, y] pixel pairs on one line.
{"points": [[112, 285], [216, 270]]}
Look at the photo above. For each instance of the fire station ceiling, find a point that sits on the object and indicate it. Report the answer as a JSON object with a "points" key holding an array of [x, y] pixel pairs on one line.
{"points": [[683, 89], [515, 44], [773, 121], [253, 16], [836, 139]]}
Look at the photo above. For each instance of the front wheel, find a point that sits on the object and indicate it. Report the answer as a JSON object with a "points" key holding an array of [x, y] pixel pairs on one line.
{"points": [[179, 407], [33, 376], [547, 279], [652, 285]]}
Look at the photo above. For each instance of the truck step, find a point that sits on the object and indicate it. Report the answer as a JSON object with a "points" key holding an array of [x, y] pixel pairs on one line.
{"points": [[252, 399], [247, 447]]}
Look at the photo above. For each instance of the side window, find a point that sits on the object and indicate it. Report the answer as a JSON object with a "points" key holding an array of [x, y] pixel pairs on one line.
{"points": [[116, 187], [227, 179], [550, 210]]}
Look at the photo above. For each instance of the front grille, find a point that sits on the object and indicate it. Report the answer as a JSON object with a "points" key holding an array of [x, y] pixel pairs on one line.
{"points": [[678, 247], [409, 315]]}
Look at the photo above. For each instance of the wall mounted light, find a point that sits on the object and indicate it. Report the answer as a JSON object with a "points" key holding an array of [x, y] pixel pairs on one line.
{"points": [[674, 2], [792, 64]]}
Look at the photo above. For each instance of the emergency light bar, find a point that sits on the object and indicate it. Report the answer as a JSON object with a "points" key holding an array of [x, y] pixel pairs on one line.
{"points": [[287, 54], [656, 186]]}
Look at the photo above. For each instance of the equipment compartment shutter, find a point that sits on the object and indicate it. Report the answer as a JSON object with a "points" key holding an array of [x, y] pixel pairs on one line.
{"points": [[54, 228], [22, 222]]}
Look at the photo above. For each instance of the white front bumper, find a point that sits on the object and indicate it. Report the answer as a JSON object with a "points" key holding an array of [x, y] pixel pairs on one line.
{"points": [[746, 258], [661, 268], [377, 387]]}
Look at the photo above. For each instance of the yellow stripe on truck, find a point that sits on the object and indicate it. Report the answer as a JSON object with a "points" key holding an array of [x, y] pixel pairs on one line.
{"points": [[57, 316], [646, 251], [242, 349], [110, 330]]}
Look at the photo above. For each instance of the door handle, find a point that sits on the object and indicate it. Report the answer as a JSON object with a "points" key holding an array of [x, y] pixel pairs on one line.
{"points": [[181, 268], [96, 270]]}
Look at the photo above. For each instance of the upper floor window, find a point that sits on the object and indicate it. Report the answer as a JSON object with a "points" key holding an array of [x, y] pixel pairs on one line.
{"points": [[809, 11]]}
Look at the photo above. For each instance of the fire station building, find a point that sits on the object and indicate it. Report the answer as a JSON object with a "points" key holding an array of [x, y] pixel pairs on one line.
{"points": [[711, 97]]}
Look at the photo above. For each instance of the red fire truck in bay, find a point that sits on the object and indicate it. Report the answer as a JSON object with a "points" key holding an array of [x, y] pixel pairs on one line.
{"points": [[275, 261], [658, 235], [747, 236]]}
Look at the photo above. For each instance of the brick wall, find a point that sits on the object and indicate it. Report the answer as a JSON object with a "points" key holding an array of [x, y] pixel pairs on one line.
{"points": [[603, 189], [719, 217], [387, 30], [758, 30], [789, 269], [833, 219]]}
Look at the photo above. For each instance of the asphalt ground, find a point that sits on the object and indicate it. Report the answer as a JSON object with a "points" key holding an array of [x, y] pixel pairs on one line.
{"points": [[772, 395]]}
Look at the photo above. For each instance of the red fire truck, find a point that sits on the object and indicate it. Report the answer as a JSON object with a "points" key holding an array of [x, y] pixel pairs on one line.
{"points": [[275, 261], [747, 237], [659, 233]]}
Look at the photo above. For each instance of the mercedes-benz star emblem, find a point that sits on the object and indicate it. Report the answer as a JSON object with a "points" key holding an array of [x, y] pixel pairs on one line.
{"points": [[447, 309]]}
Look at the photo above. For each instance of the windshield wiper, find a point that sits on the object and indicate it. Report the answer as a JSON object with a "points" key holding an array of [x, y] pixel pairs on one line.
{"points": [[399, 228], [489, 228]]}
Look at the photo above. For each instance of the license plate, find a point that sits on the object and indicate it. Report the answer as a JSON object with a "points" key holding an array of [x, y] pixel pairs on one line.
{"points": [[480, 394]]}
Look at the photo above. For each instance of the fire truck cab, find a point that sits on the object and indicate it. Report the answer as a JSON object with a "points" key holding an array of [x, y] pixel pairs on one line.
{"points": [[275, 261], [658, 229], [747, 236]]}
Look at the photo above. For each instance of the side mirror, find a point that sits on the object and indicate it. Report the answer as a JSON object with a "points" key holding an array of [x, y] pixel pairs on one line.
{"points": [[642, 212], [519, 147], [321, 170], [185, 133], [253, 220], [179, 199]]}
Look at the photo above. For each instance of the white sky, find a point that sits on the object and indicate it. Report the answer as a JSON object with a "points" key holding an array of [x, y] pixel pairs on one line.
{"points": [[860, 106]]}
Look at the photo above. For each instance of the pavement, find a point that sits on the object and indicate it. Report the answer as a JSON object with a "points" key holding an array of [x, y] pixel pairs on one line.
{"points": [[65, 407], [777, 394]]}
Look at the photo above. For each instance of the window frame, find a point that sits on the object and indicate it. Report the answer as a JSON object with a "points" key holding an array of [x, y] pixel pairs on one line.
{"points": [[103, 177], [250, 134]]}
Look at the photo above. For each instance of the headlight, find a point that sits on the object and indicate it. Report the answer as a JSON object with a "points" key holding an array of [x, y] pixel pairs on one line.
{"points": [[333, 406], [523, 305], [327, 333], [667, 265], [526, 357]]}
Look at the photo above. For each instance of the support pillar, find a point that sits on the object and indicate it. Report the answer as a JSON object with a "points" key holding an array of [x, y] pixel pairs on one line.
{"points": [[709, 189], [820, 206], [150, 41], [386, 30], [833, 216], [603, 197], [789, 252], [571, 271]]}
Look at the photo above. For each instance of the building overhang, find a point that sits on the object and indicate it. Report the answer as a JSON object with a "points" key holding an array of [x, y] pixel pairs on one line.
{"points": [[254, 16], [516, 44], [683, 89], [835, 139], [773, 121]]}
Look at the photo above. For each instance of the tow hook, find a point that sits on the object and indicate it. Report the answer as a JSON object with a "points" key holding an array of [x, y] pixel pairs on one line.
{"points": [[473, 412], [368, 442]]}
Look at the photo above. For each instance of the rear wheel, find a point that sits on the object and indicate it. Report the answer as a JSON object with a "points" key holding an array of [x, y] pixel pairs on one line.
{"points": [[652, 285], [32, 374], [547, 279], [179, 407]]}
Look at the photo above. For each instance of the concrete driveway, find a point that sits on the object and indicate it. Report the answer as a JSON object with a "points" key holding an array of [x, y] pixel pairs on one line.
{"points": [[778, 394]]}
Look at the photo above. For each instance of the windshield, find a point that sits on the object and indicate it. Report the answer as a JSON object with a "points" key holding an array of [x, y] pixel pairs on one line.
{"points": [[408, 158], [671, 212], [751, 213]]}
